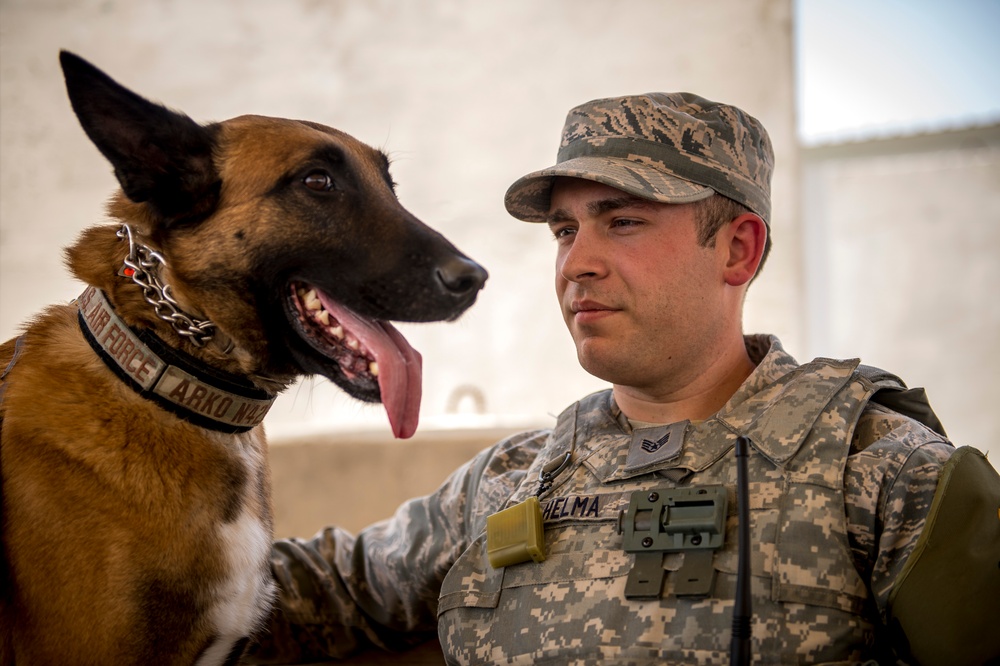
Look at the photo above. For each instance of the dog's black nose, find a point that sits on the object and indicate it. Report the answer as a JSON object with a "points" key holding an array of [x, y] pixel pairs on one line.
{"points": [[461, 276]]}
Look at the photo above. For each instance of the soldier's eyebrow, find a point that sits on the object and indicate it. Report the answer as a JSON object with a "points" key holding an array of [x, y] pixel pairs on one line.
{"points": [[610, 204], [559, 215], [600, 207]]}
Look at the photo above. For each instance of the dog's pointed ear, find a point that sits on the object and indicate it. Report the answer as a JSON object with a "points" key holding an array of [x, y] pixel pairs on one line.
{"points": [[160, 157]]}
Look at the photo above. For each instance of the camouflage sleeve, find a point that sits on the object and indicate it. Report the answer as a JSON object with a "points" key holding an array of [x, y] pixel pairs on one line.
{"points": [[339, 593], [889, 484]]}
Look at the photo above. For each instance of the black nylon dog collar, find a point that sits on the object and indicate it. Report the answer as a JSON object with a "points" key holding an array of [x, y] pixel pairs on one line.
{"points": [[176, 381]]}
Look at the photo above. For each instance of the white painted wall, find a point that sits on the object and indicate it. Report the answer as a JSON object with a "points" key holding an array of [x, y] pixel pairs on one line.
{"points": [[903, 239], [466, 96]]}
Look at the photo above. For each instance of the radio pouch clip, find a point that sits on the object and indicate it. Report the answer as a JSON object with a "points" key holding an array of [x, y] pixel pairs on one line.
{"points": [[516, 535]]}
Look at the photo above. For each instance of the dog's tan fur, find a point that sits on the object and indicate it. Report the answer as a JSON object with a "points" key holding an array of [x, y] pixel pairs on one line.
{"points": [[131, 535]]}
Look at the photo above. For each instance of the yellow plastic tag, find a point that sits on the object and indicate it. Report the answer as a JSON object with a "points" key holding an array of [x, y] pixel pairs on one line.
{"points": [[516, 535]]}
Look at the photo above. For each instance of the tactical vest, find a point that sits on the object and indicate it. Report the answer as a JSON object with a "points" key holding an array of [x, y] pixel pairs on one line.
{"points": [[808, 598]]}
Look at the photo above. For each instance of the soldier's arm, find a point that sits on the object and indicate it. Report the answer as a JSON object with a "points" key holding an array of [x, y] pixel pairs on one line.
{"points": [[944, 604], [890, 483], [339, 593]]}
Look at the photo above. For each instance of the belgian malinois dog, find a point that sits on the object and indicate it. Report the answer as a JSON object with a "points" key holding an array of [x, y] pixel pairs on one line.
{"points": [[243, 254]]}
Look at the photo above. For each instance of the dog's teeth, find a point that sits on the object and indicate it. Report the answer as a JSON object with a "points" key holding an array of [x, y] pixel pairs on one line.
{"points": [[373, 368], [312, 300], [323, 317], [353, 343], [337, 332]]}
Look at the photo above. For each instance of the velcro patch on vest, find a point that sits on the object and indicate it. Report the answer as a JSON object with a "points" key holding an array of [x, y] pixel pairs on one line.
{"points": [[596, 507], [654, 446]]}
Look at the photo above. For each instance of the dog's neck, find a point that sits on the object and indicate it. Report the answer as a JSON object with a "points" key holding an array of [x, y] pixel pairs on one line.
{"points": [[98, 259], [176, 381], [191, 387], [142, 265]]}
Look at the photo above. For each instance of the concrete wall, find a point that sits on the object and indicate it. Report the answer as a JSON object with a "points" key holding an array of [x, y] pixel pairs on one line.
{"points": [[896, 255], [893, 261], [902, 238], [465, 96]]}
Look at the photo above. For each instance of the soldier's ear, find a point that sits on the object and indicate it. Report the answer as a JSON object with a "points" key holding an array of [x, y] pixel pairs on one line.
{"points": [[742, 241]]}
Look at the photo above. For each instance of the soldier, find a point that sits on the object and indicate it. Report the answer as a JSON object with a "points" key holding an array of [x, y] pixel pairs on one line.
{"points": [[659, 205]]}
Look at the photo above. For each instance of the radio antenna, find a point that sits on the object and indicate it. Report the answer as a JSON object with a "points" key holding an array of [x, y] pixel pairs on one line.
{"points": [[743, 606]]}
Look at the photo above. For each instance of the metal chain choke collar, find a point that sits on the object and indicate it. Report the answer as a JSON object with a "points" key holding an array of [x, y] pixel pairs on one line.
{"points": [[143, 265]]}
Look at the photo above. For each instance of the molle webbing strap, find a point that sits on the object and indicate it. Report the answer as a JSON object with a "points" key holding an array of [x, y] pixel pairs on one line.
{"points": [[176, 381], [894, 394]]}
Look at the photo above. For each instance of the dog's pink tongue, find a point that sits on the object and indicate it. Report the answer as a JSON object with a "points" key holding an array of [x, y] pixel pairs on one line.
{"points": [[399, 366], [400, 380]]}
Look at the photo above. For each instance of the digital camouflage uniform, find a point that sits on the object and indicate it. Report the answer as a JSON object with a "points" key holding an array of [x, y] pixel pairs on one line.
{"points": [[839, 487]]}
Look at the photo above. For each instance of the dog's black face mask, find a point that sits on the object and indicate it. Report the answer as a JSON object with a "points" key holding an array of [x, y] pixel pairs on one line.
{"points": [[286, 234]]}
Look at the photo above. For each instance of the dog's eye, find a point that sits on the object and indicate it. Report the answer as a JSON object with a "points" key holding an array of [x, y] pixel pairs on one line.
{"points": [[318, 181]]}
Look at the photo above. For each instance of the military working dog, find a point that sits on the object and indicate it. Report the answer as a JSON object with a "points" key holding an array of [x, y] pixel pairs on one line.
{"points": [[243, 254]]}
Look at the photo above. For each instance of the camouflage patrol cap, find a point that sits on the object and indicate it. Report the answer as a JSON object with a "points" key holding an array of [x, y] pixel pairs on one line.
{"points": [[668, 147]]}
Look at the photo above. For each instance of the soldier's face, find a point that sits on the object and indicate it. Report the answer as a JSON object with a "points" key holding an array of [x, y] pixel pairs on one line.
{"points": [[640, 296]]}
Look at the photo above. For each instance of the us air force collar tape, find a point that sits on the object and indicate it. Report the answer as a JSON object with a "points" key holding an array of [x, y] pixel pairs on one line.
{"points": [[179, 383]]}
